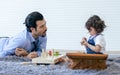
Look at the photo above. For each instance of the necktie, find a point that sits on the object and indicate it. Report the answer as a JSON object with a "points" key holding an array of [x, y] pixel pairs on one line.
{"points": [[34, 46]]}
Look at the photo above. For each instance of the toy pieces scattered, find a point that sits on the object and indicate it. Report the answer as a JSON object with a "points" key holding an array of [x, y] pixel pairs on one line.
{"points": [[53, 53], [49, 53], [44, 53]]}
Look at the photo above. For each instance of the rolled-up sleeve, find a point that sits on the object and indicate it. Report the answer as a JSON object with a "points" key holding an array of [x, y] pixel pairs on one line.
{"points": [[10, 45]]}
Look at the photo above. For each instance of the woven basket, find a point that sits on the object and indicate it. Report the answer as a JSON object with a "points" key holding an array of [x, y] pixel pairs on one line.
{"points": [[87, 61]]}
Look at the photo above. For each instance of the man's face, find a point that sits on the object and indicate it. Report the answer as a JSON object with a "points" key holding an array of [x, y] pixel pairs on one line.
{"points": [[40, 29]]}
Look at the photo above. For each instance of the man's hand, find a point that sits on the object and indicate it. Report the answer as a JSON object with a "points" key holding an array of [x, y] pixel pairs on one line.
{"points": [[32, 55], [21, 52]]}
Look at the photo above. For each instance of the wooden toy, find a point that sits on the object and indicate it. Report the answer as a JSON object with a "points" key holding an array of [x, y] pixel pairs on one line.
{"points": [[87, 61], [48, 58]]}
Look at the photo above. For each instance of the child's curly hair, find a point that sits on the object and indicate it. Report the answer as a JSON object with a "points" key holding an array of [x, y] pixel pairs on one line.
{"points": [[96, 23]]}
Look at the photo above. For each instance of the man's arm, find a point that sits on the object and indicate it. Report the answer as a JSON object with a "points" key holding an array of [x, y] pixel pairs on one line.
{"points": [[12, 44]]}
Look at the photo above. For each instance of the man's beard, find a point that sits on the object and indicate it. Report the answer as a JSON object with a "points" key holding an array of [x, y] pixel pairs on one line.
{"points": [[44, 34]]}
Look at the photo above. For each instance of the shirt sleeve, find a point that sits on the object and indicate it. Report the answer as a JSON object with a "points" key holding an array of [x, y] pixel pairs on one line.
{"points": [[99, 40], [12, 44]]}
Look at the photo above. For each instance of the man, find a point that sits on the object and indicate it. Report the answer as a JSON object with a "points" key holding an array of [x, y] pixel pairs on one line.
{"points": [[28, 43]]}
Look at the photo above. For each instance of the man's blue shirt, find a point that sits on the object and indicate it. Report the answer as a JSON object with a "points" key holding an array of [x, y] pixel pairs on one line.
{"points": [[22, 40]]}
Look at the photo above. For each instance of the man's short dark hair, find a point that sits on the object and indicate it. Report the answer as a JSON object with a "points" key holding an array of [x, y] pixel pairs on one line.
{"points": [[31, 19]]}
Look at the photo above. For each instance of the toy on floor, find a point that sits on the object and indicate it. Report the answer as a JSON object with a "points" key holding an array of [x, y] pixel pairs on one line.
{"points": [[50, 57]]}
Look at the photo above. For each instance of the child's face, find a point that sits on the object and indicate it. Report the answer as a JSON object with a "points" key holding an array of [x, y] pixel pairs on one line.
{"points": [[92, 31]]}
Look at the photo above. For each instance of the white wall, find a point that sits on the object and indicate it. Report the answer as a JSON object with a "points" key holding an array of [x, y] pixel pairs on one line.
{"points": [[65, 20]]}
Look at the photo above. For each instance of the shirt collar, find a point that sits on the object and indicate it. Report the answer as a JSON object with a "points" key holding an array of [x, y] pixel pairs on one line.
{"points": [[91, 37]]}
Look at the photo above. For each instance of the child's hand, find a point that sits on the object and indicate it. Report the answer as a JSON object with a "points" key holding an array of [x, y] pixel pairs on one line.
{"points": [[84, 40]]}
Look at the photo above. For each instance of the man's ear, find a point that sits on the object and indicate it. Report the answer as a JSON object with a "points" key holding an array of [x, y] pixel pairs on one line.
{"points": [[32, 29]]}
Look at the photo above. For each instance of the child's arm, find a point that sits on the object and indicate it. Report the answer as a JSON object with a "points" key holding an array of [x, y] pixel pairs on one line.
{"points": [[95, 48]]}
